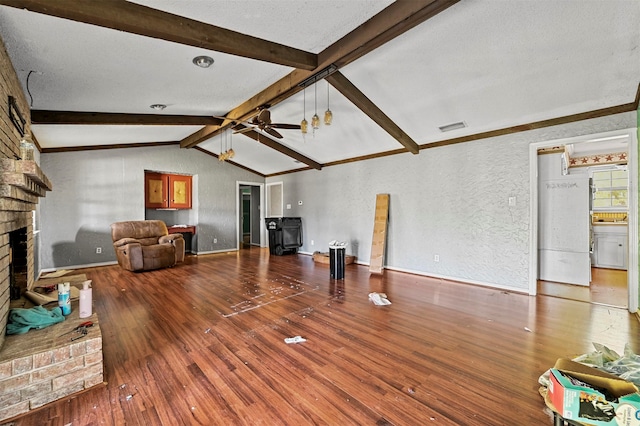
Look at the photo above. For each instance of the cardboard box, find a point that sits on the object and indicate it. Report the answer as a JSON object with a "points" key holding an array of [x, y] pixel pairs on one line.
{"points": [[594, 397], [324, 258]]}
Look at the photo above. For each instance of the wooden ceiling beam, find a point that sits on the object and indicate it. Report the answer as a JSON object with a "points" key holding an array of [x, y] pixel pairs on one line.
{"points": [[351, 92], [397, 18], [282, 149], [204, 151], [107, 118], [145, 21]]}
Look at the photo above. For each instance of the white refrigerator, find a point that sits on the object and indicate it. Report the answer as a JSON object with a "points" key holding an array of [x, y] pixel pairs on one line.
{"points": [[564, 218]]}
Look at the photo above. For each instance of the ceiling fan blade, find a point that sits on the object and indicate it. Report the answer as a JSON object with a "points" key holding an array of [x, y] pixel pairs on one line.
{"points": [[286, 126], [272, 132], [264, 116]]}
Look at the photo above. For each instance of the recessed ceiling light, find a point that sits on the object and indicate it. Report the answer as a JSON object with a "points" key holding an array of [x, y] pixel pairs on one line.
{"points": [[158, 107], [203, 61], [453, 126]]}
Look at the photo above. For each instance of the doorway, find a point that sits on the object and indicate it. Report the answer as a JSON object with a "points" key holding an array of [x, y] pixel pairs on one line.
{"points": [[608, 286], [249, 215]]}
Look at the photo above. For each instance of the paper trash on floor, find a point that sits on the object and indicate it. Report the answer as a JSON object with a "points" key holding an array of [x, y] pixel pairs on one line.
{"points": [[295, 339], [379, 299]]}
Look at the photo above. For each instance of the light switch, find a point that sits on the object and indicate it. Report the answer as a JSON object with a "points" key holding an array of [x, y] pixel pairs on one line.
{"points": [[288, 206], [512, 201]]}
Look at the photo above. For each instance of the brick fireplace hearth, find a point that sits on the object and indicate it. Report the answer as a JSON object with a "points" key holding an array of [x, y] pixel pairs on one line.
{"points": [[43, 366]]}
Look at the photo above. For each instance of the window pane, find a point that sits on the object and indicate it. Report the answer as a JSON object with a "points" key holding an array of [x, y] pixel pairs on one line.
{"points": [[619, 183], [619, 198], [619, 174], [604, 175], [606, 196]]}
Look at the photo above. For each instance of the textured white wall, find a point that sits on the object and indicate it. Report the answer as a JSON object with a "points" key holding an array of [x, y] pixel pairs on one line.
{"points": [[92, 189], [451, 201]]}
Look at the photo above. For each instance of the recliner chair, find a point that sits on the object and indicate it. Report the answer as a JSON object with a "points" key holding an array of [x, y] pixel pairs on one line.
{"points": [[143, 245]]}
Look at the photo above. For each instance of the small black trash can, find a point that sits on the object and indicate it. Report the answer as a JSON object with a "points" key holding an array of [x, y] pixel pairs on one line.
{"points": [[336, 262], [285, 234]]}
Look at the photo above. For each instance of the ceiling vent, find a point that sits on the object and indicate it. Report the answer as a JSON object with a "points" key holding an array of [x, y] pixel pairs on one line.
{"points": [[453, 126]]}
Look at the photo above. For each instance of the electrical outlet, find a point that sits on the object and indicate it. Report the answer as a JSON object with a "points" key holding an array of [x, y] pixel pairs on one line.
{"points": [[98, 250], [215, 241], [436, 258], [312, 243], [300, 202]]}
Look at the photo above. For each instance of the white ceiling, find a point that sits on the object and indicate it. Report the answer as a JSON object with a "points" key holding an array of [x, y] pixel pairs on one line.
{"points": [[492, 64]]}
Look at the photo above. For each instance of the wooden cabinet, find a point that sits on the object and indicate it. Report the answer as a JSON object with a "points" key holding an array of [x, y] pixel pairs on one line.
{"points": [[167, 191]]}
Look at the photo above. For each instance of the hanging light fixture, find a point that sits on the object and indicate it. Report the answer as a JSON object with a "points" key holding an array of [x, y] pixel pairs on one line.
{"points": [[315, 120], [221, 155], [328, 115], [231, 153], [226, 153], [303, 124]]}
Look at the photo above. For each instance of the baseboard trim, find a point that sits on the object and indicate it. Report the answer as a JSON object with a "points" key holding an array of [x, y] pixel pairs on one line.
{"points": [[88, 265], [444, 277]]}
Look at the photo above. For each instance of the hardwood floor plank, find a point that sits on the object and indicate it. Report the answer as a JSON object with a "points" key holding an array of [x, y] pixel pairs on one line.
{"points": [[203, 343]]}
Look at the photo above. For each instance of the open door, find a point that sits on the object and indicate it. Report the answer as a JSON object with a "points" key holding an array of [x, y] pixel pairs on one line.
{"points": [[538, 233], [250, 216]]}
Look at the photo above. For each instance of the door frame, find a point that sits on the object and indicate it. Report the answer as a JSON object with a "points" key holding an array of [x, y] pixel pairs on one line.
{"points": [[239, 212], [632, 250]]}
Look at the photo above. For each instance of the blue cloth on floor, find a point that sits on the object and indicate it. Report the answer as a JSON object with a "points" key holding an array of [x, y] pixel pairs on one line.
{"points": [[22, 320]]}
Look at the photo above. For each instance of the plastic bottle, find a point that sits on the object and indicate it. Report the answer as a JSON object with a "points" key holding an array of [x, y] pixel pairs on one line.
{"points": [[64, 300], [85, 300]]}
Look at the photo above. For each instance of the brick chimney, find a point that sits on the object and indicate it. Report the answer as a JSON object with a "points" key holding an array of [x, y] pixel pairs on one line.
{"points": [[21, 183]]}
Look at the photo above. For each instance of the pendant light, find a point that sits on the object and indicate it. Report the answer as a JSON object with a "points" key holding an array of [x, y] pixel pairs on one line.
{"points": [[221, 155], [328, 115], [315, 120], [304, 124], [231, 153]]}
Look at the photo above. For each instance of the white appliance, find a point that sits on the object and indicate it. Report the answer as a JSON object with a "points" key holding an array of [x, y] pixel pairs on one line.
{"points": [[565, 230]]}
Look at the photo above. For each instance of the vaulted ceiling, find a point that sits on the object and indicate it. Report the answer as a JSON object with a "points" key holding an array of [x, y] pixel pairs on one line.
{"points": [[392, 73]]}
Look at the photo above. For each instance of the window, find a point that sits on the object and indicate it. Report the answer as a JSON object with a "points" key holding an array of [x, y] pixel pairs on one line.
{"points": [[611, 188]]}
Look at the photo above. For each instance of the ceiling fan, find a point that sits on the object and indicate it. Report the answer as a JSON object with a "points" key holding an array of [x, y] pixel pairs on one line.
{"points": [[262, 121]]}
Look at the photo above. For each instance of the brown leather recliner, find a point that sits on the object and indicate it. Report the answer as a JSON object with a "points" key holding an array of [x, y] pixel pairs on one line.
{"points": [[142, 245]]}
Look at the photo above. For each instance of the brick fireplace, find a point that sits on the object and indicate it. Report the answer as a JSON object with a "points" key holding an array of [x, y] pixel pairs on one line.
{"points": [[40, 366], [21, 183], [45, 365]]}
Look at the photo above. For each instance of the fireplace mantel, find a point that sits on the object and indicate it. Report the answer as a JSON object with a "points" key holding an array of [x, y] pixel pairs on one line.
{"points": [[22, 180]]}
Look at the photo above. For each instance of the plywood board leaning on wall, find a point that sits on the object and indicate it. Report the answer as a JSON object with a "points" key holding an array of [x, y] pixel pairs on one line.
{"points": [[379, 240]]}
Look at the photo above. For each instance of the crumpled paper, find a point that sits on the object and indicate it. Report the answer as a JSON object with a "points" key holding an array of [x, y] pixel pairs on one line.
{"points": [[295, 339], [379, 299]]}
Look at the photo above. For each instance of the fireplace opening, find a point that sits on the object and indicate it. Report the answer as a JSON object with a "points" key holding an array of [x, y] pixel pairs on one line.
{"points": [[18, 259]]}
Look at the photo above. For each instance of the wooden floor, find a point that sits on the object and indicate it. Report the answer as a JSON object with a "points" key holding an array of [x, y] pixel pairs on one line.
{"points": [[608, 287], [203, 344]]}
